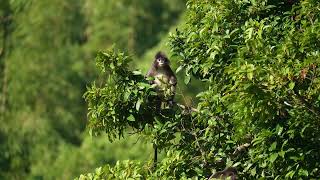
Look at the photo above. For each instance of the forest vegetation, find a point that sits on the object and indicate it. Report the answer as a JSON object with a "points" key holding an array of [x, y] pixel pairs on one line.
{"points": [[47, 60]]}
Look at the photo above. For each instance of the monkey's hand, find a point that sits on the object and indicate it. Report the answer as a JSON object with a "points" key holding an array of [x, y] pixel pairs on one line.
{"points": [[173, 81], [173, 84]]}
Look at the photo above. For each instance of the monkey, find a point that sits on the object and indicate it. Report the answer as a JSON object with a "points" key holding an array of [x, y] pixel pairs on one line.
{"points": [[228, 172], [165, 81], [164, 78]]}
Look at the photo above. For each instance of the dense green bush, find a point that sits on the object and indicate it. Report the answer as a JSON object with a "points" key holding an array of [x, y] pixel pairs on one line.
{"points": [[260, 59]]}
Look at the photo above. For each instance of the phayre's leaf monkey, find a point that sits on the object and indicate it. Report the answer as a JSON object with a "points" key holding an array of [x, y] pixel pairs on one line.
{"points": [[165, 81], [164, 78]]}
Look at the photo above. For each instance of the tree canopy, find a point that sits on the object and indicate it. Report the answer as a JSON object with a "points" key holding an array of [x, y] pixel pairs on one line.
{"points": [[260, 112]]}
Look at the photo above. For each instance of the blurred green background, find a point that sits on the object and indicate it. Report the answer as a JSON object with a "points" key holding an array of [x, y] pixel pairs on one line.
{"points": [[47, 51]]}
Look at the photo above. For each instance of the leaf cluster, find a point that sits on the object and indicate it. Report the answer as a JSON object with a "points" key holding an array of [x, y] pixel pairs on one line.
{"points": [[122, 99], [261, 60]]}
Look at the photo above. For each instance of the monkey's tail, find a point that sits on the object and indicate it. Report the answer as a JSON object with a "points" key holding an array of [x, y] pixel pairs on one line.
{"points": [[155, 156]]}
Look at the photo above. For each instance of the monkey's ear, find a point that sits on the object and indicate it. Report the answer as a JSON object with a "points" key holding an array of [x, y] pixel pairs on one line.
{"points": [[160, 55]]}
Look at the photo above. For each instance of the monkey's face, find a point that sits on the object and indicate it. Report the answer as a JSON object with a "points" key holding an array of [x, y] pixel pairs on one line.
{"points": [[161, 62]]}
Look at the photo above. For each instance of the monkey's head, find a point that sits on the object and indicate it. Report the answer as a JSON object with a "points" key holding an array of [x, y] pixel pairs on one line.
{"points": [[161, 60]]}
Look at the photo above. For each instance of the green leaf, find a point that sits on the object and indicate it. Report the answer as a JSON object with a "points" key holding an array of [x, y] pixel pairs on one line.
{"points": [[179, 69], [126, 95], [282, 153], [187, 79], [253, 171], [131, 118], [273, 157], [112, 66], [138, 104], [250, 75], [291, 85], [273, 146], [279, 129], [290, 174], [250, 32], [136, 73], [303, 172]]}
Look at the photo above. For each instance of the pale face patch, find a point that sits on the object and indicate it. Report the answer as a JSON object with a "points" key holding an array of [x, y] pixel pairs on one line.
{"points": [[161, 62]]}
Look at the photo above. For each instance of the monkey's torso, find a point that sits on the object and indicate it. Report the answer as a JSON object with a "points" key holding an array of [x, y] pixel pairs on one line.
{"points": [[165, 80]]}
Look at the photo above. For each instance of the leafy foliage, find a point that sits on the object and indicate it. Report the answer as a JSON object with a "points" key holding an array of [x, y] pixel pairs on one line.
{"points": [[260, 60], [134, 171], [262, 66], [121, 100]]}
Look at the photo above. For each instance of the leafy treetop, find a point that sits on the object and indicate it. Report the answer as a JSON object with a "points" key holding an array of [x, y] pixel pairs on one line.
{"points": [[260, 60]]}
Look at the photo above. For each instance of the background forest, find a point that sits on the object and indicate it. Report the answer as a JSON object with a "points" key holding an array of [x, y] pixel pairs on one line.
{"points": [[47, 52]]}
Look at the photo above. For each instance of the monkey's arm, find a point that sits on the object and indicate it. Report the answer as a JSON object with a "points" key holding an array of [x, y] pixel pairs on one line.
{"points": [[172, 87], [173, 84], [151, 73], [173, 81]]}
